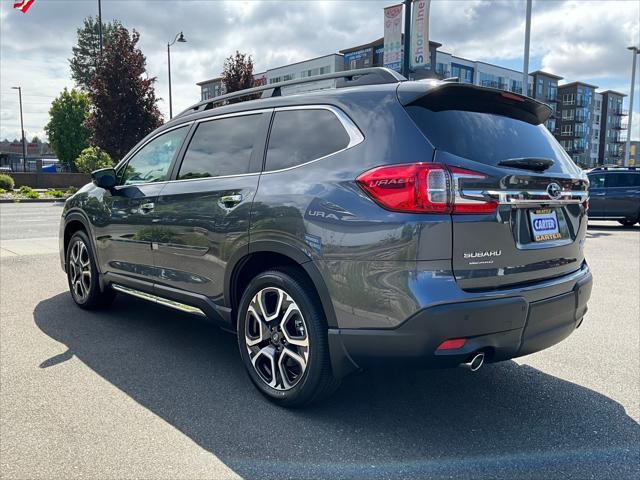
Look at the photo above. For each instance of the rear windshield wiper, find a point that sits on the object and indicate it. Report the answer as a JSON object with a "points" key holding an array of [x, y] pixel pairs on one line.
{"points": [[535, 164]]}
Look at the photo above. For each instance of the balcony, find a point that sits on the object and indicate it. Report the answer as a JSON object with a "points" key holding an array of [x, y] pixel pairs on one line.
{"points": [[582, 102], [494, 84], [552, 97], [620, 112], [580, 118]]}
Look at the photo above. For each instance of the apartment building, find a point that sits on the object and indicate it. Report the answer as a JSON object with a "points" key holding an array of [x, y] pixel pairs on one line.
{"points": [[577, 112], [543, 86], [613, 129]]}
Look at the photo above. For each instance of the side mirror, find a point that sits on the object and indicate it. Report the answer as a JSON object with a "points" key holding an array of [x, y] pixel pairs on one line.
{"points": [[104, 178]]}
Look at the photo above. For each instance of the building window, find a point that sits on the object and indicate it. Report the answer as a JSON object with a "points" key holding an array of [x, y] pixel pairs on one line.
{"points": [[567, 114], [568, 99], [540, 86], [567, 130]]}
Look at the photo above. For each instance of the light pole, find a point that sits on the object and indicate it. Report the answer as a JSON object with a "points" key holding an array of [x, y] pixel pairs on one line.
{"points": [[100, 25], [178, 38], [24, 142], [527, 40], [406, 54], [627, 145]]}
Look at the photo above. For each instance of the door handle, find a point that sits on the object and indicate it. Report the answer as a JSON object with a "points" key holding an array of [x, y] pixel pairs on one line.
{"points": [[147, 207], [229, 201]]}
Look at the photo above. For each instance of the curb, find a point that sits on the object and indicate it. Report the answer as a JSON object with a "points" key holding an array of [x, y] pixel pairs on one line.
{"points": [[32, 200]]}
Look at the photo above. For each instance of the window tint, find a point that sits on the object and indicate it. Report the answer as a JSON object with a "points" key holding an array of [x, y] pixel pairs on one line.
{"points": [[489, 137], [623, 179], [299, 136], [221, 147], [152, 162], [596, 181]]}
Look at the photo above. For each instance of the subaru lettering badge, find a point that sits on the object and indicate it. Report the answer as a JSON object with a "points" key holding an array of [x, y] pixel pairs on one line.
{"points": [[554, 191]]}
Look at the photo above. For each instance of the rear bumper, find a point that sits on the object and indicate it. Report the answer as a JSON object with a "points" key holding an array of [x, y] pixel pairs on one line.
{"points": [[503, 328]]}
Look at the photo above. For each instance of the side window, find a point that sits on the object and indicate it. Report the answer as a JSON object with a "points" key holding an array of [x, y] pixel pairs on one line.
{"points": [[622, 180], [151, 163], [596, 181], [221, 147], [299, 136]]}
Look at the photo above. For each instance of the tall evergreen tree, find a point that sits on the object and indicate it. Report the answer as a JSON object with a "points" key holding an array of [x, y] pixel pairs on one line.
{"points": [[66, 129], [86, 52], [124, 104]]}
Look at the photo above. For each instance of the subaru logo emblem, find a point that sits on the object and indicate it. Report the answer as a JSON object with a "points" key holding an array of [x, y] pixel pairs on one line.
{"points": [[554, 191]]}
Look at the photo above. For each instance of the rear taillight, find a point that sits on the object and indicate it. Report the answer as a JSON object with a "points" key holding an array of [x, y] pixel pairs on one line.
{"points": [[423, 188]]}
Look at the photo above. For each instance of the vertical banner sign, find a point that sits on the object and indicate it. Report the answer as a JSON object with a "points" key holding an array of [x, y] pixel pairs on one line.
{"points": [[420, 55], [393, 37]]}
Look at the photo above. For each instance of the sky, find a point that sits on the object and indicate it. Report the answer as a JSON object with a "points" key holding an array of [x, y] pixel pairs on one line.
{"points": [[579, 40]]}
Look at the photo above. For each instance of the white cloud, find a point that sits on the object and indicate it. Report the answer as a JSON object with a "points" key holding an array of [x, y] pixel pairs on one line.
{"points": [[577, 40]]}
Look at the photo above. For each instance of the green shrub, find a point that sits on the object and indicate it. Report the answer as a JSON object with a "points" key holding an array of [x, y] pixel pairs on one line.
{"points": [[93, 158], [56, 193], [24, 190], [2, 190], [72, 190], [6, 182], [32, 194]]}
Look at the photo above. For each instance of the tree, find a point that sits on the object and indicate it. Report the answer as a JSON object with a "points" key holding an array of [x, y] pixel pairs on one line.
{"points": [[124, 106], [93, 158], [66, 129], [237, 73], [87, 51]]}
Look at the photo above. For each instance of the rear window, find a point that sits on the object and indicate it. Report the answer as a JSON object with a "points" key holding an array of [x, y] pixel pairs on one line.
{"points": [[299, 136], [486, 137]]}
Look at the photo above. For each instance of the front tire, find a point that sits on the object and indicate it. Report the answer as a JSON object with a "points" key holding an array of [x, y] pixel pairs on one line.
{"points": [[82, 275], [282, 337]]}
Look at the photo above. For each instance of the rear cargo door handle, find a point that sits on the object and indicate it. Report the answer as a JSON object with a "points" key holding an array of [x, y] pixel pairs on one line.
{"points": [[230, 201]]}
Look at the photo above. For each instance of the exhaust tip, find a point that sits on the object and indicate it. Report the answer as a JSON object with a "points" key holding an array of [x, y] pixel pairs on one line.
{"points": [[475, 363]]}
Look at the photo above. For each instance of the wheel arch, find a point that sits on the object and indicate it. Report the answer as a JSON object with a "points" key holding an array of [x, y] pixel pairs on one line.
{"points": [[264, 255], [74, 221]]}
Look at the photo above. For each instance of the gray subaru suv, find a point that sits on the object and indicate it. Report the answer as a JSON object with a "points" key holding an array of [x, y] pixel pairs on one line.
{"points": [[382, 222]]}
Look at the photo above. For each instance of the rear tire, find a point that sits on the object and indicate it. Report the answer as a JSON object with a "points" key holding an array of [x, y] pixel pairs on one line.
{"points": [[82, 275], [282, 337], [627, 223]]}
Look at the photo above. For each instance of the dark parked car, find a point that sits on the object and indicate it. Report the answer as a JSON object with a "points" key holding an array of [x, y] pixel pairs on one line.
{"points": [[382, 222], [614, 194]]}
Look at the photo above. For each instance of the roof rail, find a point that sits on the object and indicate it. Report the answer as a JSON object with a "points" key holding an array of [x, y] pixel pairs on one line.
{"points": [[347, 78], [612, 167]]}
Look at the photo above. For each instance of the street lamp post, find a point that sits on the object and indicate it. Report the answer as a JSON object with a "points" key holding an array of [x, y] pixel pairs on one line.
{"points": [[627, 147], [178, 38], [24, 141], [527, 40]]}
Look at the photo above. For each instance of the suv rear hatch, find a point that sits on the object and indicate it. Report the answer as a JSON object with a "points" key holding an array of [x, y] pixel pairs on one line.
{"points": [[519, 201]]}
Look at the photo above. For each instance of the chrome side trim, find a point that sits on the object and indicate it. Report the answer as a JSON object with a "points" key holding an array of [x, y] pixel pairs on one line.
{"points": [[159, 300], [527, 197]]}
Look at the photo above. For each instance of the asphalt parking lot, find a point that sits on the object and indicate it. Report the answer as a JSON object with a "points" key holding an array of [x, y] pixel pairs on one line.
{"points": [[142, 391]]}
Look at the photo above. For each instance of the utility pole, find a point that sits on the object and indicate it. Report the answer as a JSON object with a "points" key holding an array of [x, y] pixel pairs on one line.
{"points": [[100, 24], [627, 146], [527, 39], [24, 141], [406, 55]]}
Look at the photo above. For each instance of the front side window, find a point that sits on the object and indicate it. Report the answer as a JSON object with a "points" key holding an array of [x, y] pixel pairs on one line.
{"points": [[299, 136], [221, 147], [596, 180], [151, 163]]}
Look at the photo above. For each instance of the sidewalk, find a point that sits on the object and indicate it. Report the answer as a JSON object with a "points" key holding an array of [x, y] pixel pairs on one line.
{"points": [[28, 246]]}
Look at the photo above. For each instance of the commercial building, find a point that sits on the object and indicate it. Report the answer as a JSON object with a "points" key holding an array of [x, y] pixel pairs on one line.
{"points": [[634, 153], [588, 124], [308, 68]]}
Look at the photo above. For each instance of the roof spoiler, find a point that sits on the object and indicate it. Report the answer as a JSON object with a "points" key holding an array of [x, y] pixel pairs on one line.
{"points": [[438, 96]]}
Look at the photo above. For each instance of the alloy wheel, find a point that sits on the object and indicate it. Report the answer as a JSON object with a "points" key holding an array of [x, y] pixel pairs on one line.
{"points": [[276, 338], [80, 271]]}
